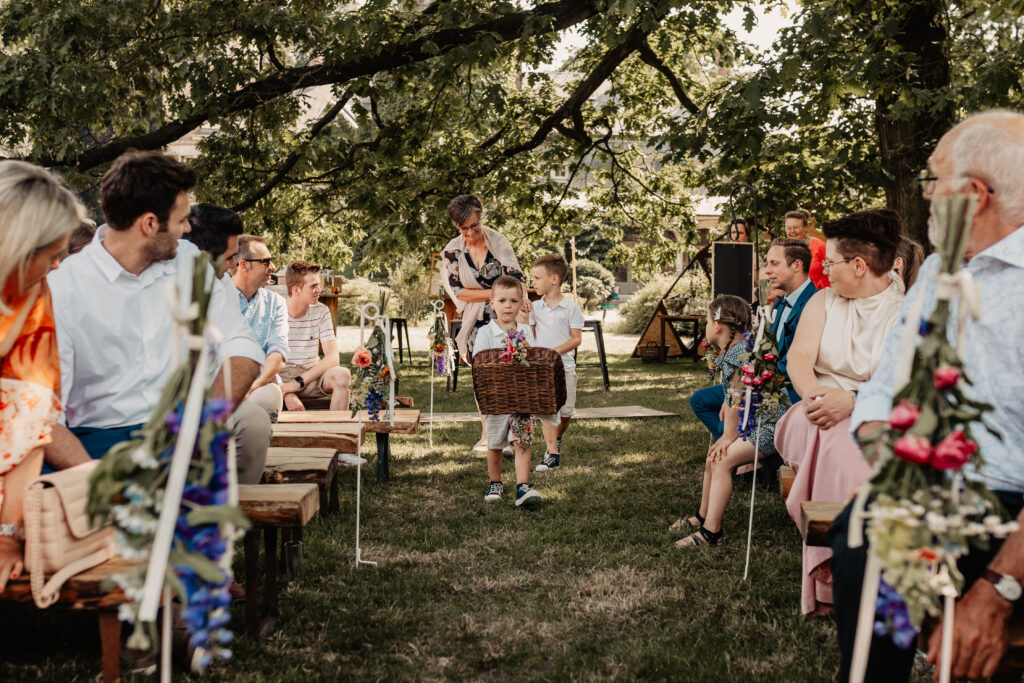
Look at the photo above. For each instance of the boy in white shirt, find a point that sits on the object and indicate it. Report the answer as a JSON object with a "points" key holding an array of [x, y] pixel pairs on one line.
{"points": [[558, 324], [507, 303]]}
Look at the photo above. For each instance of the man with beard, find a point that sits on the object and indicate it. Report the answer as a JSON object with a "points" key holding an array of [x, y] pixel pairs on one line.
{"points": [[115, 330]]}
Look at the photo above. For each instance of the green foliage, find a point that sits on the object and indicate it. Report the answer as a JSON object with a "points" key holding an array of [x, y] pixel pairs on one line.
{"points": [[595, 283], [635, 313], [408, 286], [365, 291]]}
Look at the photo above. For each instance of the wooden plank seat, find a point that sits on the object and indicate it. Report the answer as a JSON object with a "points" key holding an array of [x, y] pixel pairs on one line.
{"points": [[406, 422], [816, 516], [324, 403], [269, 508], [341, 436], [85, 591], [786, 476], [305, 466]]}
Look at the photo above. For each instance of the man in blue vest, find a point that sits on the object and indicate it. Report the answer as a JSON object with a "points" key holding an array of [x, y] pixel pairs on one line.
{"points": [[786, 267]]}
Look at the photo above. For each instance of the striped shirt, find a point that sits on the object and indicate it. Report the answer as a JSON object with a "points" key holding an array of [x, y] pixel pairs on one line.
{"points": [[305, 333]]}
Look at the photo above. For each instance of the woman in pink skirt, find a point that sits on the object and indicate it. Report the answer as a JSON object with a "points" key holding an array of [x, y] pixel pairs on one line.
{"points": [[837, 345]]}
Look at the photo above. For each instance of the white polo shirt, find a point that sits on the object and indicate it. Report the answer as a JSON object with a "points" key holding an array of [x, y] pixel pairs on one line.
{"points": [[116, 335], [553, 324]]}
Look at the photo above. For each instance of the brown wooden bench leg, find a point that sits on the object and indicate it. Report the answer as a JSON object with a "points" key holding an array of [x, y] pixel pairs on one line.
{"points": [[110, 642], [323, 488], [252, 573], [269, 581], [335, 504]]}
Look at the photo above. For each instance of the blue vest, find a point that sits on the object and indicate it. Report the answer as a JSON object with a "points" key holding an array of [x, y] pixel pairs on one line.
{"points": [[784, 335]]}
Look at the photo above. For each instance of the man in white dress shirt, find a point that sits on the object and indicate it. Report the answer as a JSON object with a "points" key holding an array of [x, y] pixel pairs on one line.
{"points": [[115, 331]]}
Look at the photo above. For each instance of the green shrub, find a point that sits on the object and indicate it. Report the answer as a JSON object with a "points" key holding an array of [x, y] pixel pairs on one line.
{"points": [[408, 284], [595, 283], [635, 313], [365, 292]]}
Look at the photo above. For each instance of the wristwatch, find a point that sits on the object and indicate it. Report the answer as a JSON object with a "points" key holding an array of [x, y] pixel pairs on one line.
{"points": [[1008, 587], [302, 382]]}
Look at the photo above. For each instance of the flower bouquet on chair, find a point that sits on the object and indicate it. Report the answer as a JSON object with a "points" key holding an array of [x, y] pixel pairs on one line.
{"points": [[765, 384], [441, 356], [923, 514]]}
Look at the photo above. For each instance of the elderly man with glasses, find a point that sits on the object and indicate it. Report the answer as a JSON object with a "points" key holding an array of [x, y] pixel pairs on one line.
{"points": [[267, 315], [983, 157]]}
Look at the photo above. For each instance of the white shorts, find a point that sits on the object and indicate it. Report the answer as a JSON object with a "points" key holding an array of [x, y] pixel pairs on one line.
{"points": [[569, 409], [497, 427]]}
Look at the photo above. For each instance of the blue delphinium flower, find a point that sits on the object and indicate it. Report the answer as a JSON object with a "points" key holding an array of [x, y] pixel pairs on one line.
{"points": [[891, 617]]}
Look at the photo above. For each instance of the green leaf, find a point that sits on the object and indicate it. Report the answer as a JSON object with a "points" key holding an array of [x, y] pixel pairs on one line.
{"points": [[217, 514]]}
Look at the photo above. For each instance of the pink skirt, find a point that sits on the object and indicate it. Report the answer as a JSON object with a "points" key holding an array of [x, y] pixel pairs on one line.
{"points": [[829, 467]]}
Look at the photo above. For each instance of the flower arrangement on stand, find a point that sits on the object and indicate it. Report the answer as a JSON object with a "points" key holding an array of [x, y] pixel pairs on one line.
{"points": [[128, 486], [922, 513], [372, 374], [760, 372], [709, 354], [440, 347]]}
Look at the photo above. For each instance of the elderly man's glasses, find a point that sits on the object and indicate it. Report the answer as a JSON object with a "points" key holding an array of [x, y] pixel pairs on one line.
{"points": [[927, 182], [826, 265]]}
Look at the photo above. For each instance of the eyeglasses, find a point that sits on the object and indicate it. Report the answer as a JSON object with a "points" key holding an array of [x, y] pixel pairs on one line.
{"points": [[474, 226], [826, 265], [264, 261], [927, 182]]}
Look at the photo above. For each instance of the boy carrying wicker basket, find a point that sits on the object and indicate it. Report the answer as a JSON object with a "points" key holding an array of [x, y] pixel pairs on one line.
{"points": [[512, 338]]}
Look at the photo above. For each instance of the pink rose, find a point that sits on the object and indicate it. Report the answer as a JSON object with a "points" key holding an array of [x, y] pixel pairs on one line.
{"points": [[953, 451], [946, 376], [767, 374], [746, 380], [362, 357], [914, 449], [770, 357], [748, 369], [757, 381], [903, 416]]}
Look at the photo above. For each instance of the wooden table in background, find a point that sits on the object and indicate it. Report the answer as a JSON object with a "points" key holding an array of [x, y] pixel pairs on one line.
{"points": [[693, 350], [331, 301]]}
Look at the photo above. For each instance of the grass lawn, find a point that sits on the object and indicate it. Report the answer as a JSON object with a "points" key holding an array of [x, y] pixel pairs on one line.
{"points": [[587, 586]]}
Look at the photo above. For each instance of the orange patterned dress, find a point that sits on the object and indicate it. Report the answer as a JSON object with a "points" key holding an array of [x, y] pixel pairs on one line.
{"points": [[29, 376]]}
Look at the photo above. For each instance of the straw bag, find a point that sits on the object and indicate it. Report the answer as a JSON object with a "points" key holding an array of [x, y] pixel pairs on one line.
{"points": [[502, 388], [58, 537]]}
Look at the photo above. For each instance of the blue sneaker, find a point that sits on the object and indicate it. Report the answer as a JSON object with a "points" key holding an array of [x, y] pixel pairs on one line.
{"points": [[525, 495], [494, 491], [549, 462]]}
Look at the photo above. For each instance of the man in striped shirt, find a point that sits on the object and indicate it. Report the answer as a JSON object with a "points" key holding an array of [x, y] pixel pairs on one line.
{"points": [[305, 374]]}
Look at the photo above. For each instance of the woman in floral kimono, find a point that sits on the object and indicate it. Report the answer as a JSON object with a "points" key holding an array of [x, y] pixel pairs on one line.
{"points": [[37, 213], [470, 263]]}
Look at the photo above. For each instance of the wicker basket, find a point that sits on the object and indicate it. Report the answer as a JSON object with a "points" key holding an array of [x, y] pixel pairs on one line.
{"points": [[502, 388], [653, 352]]}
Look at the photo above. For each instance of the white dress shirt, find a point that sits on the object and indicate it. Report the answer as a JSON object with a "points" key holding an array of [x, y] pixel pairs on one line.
{"points": [[116, 335], [491, 336]]}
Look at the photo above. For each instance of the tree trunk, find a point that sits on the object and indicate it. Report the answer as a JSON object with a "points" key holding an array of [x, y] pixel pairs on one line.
{"points": [[906, 139]]}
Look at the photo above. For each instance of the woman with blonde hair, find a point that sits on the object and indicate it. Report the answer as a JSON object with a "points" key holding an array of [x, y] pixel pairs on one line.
{"points": [[37, 213]]}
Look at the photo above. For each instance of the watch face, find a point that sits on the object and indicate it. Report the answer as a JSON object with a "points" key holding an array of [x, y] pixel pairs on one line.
{"points": [[1009, 588]]}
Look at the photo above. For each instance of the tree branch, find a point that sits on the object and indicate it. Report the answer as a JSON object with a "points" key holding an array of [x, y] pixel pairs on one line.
{"points": [[635, 37], [647, 54], [293, 158], [556, 16]]}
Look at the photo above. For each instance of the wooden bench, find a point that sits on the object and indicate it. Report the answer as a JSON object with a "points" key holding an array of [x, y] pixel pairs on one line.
{"points": [[340, 436], [816, 516], [285, 506], [305, 466], [406, 422], [85, 591], [786, 476]]}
